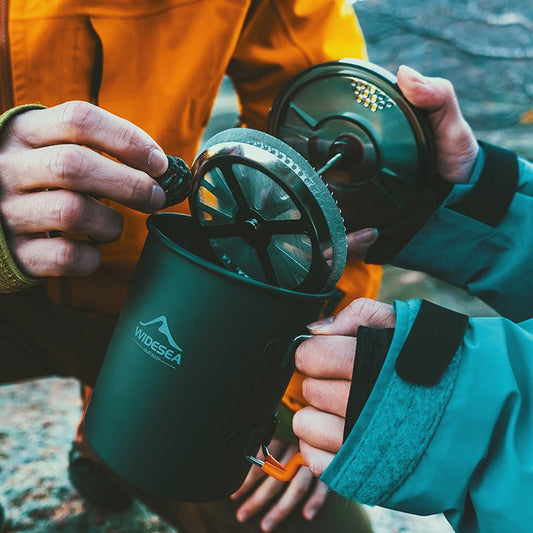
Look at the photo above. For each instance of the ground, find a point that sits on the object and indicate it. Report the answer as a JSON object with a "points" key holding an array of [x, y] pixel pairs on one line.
{"points": [[485, 48]]}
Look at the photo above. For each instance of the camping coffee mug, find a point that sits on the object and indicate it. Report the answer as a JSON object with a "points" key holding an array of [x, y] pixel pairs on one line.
{"points": [[195, 370]]}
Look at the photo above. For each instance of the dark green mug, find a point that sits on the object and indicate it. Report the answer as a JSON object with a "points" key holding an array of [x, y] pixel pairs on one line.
{"points": [[195, 370]]}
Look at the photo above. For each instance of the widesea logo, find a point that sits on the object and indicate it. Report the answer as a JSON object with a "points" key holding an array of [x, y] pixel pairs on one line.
{"points": [[154, 339]]}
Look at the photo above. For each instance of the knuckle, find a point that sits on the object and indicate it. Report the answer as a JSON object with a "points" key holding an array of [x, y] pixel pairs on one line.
{"points": [[298, 423], [357, 305], [69, 162], [66, 255], [125, 136], [78, 117], [314, 465], [313, 390], [298, 492], [364, 309], [69, 209], [303, 354], [75, 258], [307, 390], [139, 190], [117, 226], [447, 86]]}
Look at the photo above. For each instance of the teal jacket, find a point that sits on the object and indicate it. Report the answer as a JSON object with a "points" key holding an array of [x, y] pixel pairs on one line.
{"points": [[454, 434]]}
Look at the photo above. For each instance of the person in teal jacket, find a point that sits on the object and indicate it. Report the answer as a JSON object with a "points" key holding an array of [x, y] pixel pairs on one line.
{"points": [[418, 408]]}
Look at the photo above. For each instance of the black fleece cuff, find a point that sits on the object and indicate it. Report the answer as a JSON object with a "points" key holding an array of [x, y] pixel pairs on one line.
{"points": [[393, 239], [370, 354], [487, 202], [431, 344]]}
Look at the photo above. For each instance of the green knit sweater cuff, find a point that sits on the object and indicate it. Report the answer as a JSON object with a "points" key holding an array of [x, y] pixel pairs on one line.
{"points": [[12, 279]]}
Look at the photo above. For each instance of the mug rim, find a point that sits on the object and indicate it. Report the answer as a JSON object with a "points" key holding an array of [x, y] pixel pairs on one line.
{"points": [[156, 232]]}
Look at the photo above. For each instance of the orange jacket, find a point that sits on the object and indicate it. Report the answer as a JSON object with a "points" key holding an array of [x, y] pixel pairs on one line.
{"points": [[159, 64]]}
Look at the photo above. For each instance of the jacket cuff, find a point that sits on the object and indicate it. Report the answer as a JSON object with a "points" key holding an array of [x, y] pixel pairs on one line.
{"points": [[392, 240], [488, 200], [401, 414], [491, 197], [372, 348], [12, 279]]}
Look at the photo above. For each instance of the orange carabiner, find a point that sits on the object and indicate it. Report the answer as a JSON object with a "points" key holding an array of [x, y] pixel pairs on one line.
{"points": [[274, 468]]}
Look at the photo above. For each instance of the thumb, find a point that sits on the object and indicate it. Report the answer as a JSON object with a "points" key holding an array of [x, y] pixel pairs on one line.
{"points": [[455, 142], [361, 312]]}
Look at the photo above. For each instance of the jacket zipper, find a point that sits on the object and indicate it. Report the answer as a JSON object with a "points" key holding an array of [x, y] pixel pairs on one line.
{"points": [[6, 79]]}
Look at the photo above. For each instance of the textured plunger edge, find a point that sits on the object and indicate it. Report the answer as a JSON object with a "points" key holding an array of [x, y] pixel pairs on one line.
{"points": [[12, 279], [310, 178], [329, 207]]}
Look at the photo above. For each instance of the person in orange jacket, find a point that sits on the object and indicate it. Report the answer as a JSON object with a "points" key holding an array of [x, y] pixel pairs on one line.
{"points": [[118, 84]]}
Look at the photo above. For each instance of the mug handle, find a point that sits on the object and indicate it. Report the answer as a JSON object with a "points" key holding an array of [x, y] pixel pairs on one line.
{"points": [[271, 465], [274, 468]]}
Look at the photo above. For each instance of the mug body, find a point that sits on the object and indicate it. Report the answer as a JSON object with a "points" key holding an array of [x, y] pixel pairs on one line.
{"points": [[197, 365]]}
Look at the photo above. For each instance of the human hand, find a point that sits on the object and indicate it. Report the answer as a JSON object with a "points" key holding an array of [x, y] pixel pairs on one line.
{"points": [[328, 359], [259, 491], [51, 174], [455, 143]]}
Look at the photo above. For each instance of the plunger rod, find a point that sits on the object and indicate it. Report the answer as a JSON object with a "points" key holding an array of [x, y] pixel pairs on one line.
{"points": [[331, 163]]}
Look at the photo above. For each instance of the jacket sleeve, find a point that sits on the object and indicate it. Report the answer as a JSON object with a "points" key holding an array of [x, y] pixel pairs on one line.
{"points": [[479, 238], [281, 38], [458, 440]]}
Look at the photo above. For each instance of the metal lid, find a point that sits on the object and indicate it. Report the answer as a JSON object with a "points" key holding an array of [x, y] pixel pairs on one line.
{"points": [[376, 149]]}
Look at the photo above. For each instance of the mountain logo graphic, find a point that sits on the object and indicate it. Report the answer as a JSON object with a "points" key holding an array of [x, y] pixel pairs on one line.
{"points": [[158, 342]]}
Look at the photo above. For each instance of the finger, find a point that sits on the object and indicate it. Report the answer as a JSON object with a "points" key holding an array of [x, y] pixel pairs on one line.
{"points": [[295, 492], [327, 395], [430, 94], [315, 502], [319, 429], [86, 124], [456, 143], [358, 244], [260, 497], [255, 474], [360, 241], [65, 211], [316, 459], [56, 257], [361, 312], [80, 169], [326, 357]]}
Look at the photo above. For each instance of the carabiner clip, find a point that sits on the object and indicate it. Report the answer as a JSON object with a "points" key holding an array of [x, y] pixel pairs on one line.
{"points": [[274, 468]]}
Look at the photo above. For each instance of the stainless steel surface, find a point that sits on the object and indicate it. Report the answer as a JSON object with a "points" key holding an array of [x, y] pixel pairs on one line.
{"points": [[266, 213]]}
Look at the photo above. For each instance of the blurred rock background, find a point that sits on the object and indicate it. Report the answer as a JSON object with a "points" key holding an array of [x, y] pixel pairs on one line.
{"points": [[485, 48]]}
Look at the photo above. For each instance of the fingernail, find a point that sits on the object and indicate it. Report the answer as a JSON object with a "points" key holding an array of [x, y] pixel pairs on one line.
{"points": [[367, 236], [320, 324], [242, 516], [412, 73], [159, 198], [157, 162], [267, 524]]}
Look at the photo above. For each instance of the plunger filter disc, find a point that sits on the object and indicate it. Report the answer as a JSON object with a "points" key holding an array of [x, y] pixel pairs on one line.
{"points": [[266, 213]]}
